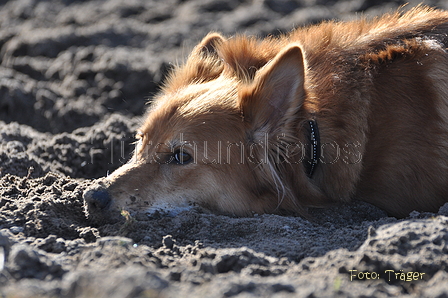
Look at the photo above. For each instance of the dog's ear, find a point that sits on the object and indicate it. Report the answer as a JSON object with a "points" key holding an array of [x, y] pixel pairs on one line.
{"points": [[207, 47], [202, 65], [276, 93]]}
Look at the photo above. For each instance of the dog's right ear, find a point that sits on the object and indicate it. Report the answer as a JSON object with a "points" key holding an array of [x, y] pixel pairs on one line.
{"points": [[207, 47], [203, 65]]}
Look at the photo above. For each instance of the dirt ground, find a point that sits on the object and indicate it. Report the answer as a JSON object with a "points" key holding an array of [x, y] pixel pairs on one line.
{"points": [[75, 77]]}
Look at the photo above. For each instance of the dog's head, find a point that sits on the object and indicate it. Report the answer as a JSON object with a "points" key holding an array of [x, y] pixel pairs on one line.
{"points": [[216, 135]]}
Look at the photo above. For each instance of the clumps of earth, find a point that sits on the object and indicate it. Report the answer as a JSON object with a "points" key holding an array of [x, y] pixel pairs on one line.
{"points": [[75, 79]]}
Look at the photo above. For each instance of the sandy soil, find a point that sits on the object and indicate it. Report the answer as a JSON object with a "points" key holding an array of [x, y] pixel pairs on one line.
{"points": [[75, 77]]}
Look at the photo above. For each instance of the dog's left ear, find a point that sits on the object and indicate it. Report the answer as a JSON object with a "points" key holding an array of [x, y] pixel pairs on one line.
{"points": [[276, 93]]}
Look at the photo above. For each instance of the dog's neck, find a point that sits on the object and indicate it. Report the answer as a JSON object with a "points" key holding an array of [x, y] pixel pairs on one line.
{"points": [[312, 151]]}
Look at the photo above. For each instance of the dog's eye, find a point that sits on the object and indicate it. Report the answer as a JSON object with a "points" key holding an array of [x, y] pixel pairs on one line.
{"points": [[181, 157]]}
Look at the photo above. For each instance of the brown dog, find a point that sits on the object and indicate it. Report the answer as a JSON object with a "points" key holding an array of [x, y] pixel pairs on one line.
{"points": [[324, 114]]}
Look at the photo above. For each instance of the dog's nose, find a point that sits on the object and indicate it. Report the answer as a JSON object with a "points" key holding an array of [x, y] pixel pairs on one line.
{"points": [[97, 199]]}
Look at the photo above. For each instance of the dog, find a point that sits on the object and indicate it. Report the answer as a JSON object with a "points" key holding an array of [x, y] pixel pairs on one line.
{"points": [[324, 114]]}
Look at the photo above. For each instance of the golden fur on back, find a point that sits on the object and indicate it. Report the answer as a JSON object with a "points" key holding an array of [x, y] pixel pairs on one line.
{"points": [[237, 109]]}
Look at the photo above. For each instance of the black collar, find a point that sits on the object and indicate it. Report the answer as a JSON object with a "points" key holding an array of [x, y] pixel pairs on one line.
{"points": [[312, 148]]}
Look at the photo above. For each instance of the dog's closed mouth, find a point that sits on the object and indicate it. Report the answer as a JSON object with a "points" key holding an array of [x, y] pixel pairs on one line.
{"points": [[167, 210]]}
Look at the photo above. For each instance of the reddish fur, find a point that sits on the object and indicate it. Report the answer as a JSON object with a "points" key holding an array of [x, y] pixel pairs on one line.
{"points": [[378, 89]]}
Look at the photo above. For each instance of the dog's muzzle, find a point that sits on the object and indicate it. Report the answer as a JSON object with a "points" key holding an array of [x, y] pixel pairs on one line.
{"points": [[97, 199]]}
